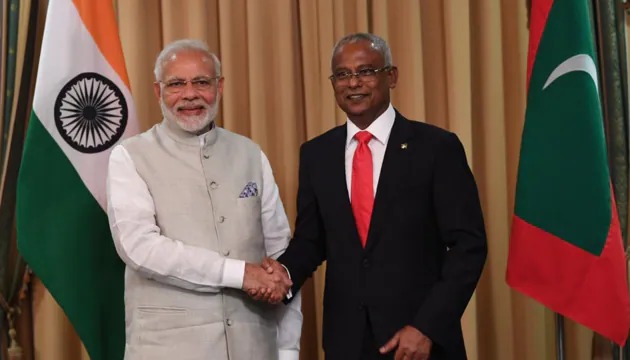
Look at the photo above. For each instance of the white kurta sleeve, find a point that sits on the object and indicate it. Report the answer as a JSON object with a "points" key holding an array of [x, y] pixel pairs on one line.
{"points": [[277, 233], [141, 245]]}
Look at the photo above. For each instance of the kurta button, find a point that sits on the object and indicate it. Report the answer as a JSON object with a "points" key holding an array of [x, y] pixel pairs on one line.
{"points": [[228, 322], [206, 156], [214, 185], [221, 219], [226, 252]]}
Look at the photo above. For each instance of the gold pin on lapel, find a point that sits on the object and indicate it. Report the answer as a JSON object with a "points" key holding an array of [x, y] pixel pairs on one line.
{"points": [[403, 146]]}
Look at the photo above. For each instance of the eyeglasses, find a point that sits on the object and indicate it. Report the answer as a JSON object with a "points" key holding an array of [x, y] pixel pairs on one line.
{"points": [[367, 74], [202, 83]]}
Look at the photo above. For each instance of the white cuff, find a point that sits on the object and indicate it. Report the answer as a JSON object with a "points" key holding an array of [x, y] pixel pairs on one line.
{"points": [[290, 293], [288, 354], [233, 273]]}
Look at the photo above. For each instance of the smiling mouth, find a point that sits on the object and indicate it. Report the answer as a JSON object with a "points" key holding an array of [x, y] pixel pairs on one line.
{"points": [[190, 109], [356, 97], [191, 112], [195, 107]]}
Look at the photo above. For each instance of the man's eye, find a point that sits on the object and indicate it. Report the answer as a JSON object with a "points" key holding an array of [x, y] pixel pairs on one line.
{"points": [[201, 82], [366, 72], [176, 84], [342, 75]]}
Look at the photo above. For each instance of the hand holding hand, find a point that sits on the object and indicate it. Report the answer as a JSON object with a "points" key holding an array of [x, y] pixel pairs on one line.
{"points": [[266, 282], [271, 266], [411, 343]]}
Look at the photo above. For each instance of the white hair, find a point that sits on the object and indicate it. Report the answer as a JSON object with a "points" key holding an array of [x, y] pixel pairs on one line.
{"points": [[181, 46], [376, 42]]}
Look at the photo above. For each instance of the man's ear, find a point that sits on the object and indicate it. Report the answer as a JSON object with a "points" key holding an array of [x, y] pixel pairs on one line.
{"points": [[157, 90], [220, 86], [393, 77]]}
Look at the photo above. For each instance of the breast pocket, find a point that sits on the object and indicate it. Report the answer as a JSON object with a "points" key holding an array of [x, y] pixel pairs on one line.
{"points": [[248, 213]]}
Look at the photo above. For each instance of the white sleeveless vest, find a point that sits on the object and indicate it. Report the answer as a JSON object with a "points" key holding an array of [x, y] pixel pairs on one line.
{"points": [[196, 194]]}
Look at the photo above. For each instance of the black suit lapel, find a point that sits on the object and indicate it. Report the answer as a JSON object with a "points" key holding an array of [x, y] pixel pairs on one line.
{"points": [[395, 162]]}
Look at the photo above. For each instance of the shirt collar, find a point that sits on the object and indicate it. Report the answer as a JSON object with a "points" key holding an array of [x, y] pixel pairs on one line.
{"points": [[379, 128], [207, 137], [184, 137]]}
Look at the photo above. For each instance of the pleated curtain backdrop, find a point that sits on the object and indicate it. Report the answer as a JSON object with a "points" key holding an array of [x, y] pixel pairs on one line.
{"points": [[462, 66]]}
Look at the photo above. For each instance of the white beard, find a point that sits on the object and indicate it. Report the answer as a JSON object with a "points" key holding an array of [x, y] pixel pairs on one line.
{"points": [[194, 123]]}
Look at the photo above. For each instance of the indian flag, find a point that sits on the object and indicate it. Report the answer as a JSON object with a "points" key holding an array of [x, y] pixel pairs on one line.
{"points": [[566, 249], [81, 109]]}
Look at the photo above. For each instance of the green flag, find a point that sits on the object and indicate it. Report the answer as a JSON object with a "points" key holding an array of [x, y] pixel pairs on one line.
{"points": [[82, 107], [566, 249]]}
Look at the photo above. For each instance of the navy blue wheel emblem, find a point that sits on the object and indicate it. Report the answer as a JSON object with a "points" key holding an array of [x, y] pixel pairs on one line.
{"points": [[91, 113]]}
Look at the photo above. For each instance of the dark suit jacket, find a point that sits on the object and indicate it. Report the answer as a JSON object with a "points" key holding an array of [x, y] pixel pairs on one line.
{"points": [[426, 245]]}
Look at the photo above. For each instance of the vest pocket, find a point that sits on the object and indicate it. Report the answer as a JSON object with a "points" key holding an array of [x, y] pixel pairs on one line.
{"points": [[177, 335], [250, 207], [161, 309], [248, 213], [249, 201], [157, 318]]}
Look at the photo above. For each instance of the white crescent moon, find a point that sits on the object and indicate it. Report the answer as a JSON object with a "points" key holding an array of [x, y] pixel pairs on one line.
{"points": [[580, 62]]}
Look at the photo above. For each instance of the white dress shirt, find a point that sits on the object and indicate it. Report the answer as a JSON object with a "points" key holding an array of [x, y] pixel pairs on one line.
{"points": [[192, 267], [380, 129]]}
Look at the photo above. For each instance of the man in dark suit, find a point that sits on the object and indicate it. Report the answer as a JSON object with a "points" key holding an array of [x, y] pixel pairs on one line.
{"points": [[392, 206]]}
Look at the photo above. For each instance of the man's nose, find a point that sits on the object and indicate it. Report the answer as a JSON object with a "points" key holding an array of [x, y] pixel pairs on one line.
{"points": [[189, 91], [354, 81]]}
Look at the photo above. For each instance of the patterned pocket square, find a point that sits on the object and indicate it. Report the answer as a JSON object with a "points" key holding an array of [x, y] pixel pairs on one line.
{"points": [[251, 189]]}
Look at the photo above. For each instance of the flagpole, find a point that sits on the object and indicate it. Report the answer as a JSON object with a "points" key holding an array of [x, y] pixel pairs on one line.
{"points": [[559, 337]]}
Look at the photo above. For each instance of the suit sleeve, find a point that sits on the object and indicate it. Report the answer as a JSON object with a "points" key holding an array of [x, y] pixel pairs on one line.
{"points": [[307, 249], [461, 228]]}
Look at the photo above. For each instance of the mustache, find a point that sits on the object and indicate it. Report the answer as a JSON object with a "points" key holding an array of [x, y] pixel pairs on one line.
{"points": [[191, 105]]}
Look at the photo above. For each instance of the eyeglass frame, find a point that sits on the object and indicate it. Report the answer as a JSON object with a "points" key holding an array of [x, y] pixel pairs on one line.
{"points": [[210, 80], [357, 74]]}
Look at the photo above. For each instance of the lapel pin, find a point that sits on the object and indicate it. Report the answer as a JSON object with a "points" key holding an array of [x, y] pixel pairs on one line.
{"points": [[403, 146]]}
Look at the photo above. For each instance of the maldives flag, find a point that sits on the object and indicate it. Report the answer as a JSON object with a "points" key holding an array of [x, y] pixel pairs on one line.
{"points": [[566, 249]]}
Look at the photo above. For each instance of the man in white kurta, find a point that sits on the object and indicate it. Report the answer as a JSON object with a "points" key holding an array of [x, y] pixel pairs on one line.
{"points": [[193, 210]]}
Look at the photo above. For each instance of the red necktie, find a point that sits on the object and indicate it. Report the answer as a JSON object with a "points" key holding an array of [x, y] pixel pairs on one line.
{"points": [[362, 185]]}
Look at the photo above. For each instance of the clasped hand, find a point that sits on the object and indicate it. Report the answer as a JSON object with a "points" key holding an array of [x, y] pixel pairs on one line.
{"points": [[268, 281]]}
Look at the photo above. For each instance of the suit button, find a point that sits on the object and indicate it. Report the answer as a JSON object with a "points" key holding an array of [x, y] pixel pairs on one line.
{"points": [[214, 185], [361, 306], [366, 263], [228, 322], [226, 252], [221, 219], [206, 156]]}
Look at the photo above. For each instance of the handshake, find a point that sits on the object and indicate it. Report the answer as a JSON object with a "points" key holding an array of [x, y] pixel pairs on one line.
{"points": [[268, 281]]}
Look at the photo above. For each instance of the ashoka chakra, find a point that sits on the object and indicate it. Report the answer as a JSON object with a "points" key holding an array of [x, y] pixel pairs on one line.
{"points": [[90, 113]]}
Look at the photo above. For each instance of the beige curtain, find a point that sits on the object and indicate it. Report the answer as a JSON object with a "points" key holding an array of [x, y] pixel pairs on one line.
{"points": [[25, 53], [462, 65]]}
